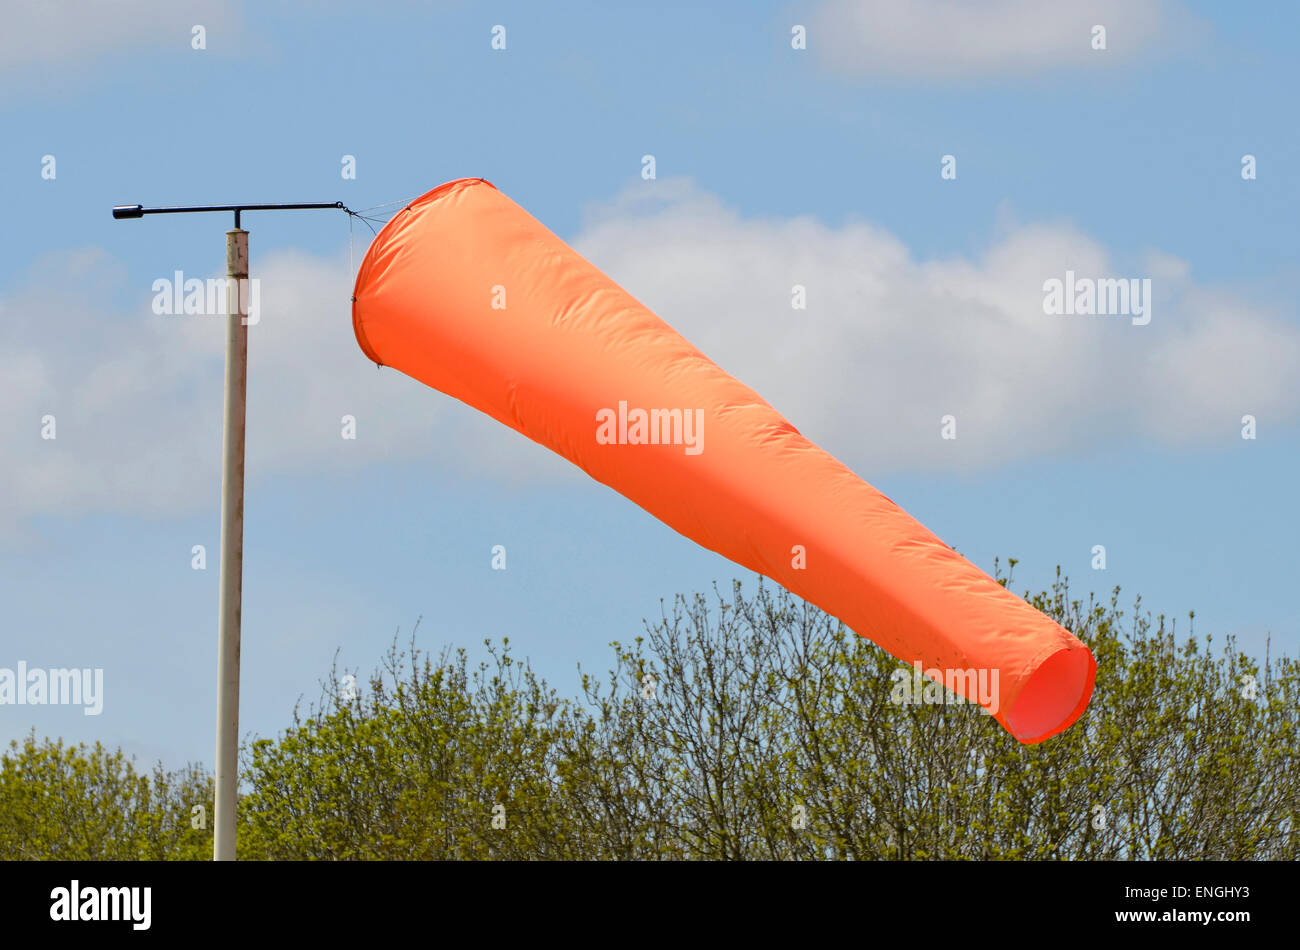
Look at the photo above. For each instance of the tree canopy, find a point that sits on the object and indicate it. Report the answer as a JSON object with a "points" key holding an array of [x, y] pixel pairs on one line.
{"points": [[737, 726]]}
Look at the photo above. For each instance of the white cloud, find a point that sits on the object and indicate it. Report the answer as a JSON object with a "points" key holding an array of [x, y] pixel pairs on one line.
{"points": [[137, 397], [956, 38], [54, 31], [889, 344]]}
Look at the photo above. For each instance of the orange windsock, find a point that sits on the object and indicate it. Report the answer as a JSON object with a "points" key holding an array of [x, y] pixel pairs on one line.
{"points": [[468, 293]]}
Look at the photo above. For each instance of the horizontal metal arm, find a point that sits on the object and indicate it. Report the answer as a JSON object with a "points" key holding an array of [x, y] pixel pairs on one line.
{"points": [[139, 211]]}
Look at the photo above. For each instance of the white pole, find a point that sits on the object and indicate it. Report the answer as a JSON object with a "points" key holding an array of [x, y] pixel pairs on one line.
{"points": [[232, 544]]}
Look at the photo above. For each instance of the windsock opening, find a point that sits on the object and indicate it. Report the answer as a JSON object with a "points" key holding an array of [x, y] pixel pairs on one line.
{"points": [[1055, 695]]}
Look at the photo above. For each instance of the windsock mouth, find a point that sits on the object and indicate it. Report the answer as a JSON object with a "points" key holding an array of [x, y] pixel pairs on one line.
{"points": [[1055, 696], [381, 242]]}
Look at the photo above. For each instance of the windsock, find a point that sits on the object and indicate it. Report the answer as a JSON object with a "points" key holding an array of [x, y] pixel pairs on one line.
{"points": [[466, 292]]}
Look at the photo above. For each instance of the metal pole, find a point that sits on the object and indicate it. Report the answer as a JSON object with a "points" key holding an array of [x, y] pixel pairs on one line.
{"points": [[232, 544], [232, 506]]}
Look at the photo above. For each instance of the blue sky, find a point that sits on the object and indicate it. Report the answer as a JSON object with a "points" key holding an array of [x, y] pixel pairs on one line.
{"points": [[818, 166]]}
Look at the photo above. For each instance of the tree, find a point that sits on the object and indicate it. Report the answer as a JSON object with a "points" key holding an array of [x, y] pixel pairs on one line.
{"points": [[736, 727], [75, 803]]}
